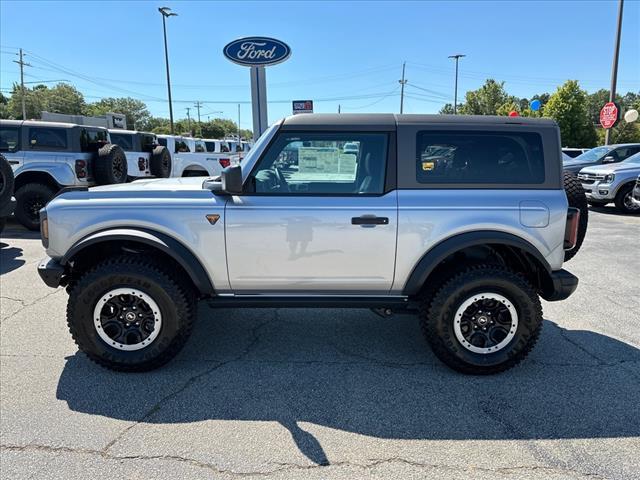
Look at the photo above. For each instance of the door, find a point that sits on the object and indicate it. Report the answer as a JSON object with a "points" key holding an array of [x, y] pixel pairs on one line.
{"points": [[10, 145], [323, 223]]}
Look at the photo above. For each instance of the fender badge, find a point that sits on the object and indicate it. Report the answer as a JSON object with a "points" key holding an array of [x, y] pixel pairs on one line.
{"points": [[213, 218]]}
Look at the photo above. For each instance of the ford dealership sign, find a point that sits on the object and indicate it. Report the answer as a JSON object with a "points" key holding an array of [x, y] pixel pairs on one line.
{"points": [[257, 51]]}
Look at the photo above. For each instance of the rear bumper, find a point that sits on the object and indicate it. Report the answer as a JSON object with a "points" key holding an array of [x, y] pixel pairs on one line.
{"points": [[563, 284], [51, 272], [8, 208]]}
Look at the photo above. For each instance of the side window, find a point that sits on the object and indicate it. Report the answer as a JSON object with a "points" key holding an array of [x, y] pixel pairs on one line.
{"points": [[624, 153], [323, 163], [224, 148], [45, 137], [92, 140], [181, 146], [124, 141], [9, 139], [162, 141], [147, 142], [200, 147], [454, 157], [211, 146]]}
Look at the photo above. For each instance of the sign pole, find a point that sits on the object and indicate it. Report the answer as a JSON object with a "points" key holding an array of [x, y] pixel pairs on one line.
{"points": [[614, 68], [259, 100]]}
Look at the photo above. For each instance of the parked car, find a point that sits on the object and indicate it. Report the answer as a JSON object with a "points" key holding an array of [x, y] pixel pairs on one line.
{"points": [[190, 158], [7, 201], [574, 152], [48, 156], [469, 248], [612, 183], [601, 155], [145, 157]]}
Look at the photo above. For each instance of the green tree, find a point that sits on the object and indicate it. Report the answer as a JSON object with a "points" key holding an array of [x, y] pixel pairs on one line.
{"points": [[568, 107], [62, 98], [136, 111], [486, 100], [447, 109], [4, 106]]}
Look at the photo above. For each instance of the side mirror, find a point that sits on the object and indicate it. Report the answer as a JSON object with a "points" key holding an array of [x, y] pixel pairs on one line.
{"points": [[608, 159], [231, 179]]}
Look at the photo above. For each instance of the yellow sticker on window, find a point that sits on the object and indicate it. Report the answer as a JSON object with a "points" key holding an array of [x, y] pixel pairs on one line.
{"points": [[428, 166]]}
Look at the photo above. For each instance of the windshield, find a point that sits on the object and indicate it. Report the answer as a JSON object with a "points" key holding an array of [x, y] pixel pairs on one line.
{"points": [[256, 150], [591, 155]]}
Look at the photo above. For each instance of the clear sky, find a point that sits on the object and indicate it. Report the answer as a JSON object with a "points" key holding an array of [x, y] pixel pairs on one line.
{"points": [[347, 53]]}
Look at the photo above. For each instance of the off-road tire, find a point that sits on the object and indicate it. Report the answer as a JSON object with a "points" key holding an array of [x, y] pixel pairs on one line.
{"points": [[160, 163], [437, 319], [175, 299], [624, 191], [6, 180], [30, 198], [110, 165], [577, 199]]}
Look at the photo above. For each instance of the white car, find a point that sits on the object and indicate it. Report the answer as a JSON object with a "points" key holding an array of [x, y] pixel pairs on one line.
{"points": [[190, 158], [145, 157]]}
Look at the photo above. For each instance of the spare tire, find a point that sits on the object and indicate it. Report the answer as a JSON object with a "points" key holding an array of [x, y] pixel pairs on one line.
{"points": [[110, 165], [160, 162], [577, 199], [6, 180]]}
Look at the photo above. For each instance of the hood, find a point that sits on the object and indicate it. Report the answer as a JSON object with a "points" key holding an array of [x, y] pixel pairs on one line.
{"points": [[612, 168], [164, 184]]}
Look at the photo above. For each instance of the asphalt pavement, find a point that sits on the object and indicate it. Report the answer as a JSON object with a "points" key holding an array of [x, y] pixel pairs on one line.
{"points": [[317, 394]]}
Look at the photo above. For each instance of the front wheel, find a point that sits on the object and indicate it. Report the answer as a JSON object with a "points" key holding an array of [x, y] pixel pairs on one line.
{"points": [[130, 314], [624, 200], [484, 320]]}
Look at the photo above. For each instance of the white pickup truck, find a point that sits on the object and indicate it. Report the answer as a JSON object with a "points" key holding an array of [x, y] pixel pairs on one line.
{"points": [[189, 157]]}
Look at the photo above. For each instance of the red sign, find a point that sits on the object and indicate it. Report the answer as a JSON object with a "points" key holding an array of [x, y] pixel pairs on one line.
{"points": [[609, 115]]}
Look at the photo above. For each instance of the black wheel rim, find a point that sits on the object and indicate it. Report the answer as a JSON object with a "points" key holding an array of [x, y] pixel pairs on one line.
{"points": [[485, 322], [32, 206], [127, 319], [118, 168]]}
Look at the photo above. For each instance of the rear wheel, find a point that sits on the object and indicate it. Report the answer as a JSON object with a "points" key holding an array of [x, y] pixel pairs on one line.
{"points": [[624, 200], [484, 320], [6, 180], [30, 198], [130, 314], [577, 199]]}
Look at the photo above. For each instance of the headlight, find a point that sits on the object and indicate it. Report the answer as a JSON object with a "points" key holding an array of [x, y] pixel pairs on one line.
{"points": [[609, 178]]}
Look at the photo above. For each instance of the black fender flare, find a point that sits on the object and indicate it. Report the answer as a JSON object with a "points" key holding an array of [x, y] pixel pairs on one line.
{"points": [[163, 242], [442, 250]]}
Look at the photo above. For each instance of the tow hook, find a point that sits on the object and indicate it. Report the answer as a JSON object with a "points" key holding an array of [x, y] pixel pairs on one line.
{"points": [[383, 312]]}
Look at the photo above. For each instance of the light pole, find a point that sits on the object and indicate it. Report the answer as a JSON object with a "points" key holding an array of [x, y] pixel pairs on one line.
{"points": [[455, 94], [614, 68], [166, 12]]}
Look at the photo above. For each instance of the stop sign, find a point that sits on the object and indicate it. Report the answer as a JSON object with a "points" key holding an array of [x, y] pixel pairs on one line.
{"points": [[609, 115]]}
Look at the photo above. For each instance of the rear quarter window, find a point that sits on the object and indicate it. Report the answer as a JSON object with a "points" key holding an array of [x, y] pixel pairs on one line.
{"points": [[46, 137], [472, 157]]}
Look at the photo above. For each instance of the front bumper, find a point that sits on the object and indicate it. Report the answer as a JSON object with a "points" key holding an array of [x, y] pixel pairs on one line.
{"points": [[562, 285], [51, 272], [596, 191], [8, 208]]}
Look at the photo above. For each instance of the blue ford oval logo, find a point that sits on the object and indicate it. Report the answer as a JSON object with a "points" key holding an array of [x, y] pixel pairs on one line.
{"points": [[257, 51]]}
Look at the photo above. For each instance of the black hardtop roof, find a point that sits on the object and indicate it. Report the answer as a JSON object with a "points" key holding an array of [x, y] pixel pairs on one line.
{"points": [[390, 120]]}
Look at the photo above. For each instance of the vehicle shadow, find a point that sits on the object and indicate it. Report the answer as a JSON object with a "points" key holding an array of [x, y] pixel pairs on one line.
{"points": [[16, 231], [10, 258], [353, 371], [611, 210]]}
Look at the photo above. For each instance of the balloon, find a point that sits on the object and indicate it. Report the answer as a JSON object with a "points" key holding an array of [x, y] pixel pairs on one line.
{"points": [[513, 113], [631, 116], [535, 105]]}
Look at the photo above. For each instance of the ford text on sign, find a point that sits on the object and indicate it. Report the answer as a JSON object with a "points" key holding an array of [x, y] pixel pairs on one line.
{"points": [[609, 115], [257, 51], [302, 106]]}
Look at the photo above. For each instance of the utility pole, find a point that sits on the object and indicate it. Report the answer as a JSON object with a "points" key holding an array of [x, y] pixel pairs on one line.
{"points": [[22, 64], [614, 68], [455, 90], [166, 12], [339, 109], [198, 104], [189, 119], [402, 83]]}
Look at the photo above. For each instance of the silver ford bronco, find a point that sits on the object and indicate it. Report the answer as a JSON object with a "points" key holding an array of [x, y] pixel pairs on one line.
{"points": [[463, 220]]}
